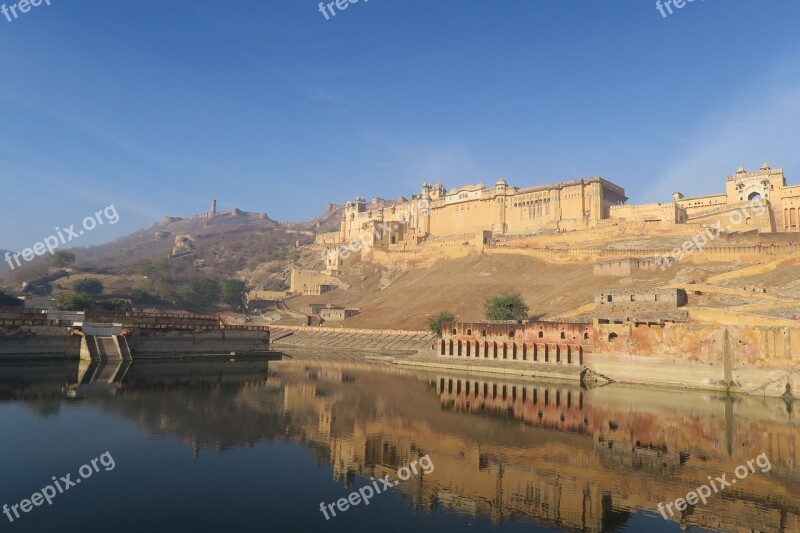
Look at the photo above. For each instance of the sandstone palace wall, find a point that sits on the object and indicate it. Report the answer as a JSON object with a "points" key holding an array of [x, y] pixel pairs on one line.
{"points": [[464, 220]]}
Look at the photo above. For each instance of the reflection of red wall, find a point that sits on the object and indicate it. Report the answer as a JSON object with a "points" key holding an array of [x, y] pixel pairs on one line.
{"points": [[570, 409]]}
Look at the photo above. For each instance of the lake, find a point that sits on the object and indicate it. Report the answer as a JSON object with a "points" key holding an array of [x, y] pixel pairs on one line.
{"points": [[341, 446]]}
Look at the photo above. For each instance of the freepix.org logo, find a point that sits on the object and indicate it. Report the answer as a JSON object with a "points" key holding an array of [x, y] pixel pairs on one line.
{"points": [[667, 5], [62, 236], [20, 8], [63, 484]]}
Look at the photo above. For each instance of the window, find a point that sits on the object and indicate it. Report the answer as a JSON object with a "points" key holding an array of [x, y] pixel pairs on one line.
{"points": [[610, 298], [455, 332], [469, 332], [541, 334], [563, 336]]}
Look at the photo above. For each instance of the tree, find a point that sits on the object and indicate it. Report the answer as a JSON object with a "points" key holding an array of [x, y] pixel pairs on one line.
{"points": [[118, 305], [157, 274], [78, 301], [202, 293], [509, 306], [140, 296], [233, 291], [62, 259], [436, 322], [90, 286]]}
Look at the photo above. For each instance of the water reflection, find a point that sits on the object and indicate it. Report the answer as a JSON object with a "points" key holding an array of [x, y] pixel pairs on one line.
{"points": [[549, 453]]}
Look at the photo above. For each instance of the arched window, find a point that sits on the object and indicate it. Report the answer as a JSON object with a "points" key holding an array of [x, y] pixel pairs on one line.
{"points": [[469, 332], [563, 336], [454, 331], [541, 334], [612, 337]]}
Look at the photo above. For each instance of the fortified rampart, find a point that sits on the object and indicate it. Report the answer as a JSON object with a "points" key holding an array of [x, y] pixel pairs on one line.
{"points": [[623, 267], [745, 254]]}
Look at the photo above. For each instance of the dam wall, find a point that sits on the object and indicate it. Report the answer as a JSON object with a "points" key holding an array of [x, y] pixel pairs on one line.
{"points": [[149, 343], [38, 340]]}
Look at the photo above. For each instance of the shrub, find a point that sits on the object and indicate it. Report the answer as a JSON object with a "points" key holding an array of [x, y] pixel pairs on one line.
{"points": [[509, 306], [88, 286], [78, 301], [436, 322], [233, 291]]}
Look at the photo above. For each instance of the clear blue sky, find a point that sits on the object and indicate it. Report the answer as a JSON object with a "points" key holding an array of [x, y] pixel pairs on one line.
{"points": [[157, 106]]}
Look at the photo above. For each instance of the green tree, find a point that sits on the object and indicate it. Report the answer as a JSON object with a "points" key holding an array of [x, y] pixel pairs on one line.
{"points": [[78, 301], [233, 291], [90, 286], [118, 305], [157, 274], [140, 296], [436, 322], [62, 259], [202, 293], [509, 306]]}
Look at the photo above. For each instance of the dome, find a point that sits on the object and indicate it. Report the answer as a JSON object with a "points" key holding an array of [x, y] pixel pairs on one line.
{"points": [[501, 181], [740, 170]]}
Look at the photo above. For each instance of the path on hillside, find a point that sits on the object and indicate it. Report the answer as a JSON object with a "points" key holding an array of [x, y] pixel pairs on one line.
{"points": [[728, 291], [755, 269]]}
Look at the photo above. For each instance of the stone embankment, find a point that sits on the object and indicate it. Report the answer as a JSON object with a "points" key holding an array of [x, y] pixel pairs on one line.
{"points": [[428, 359], [368, 340]]}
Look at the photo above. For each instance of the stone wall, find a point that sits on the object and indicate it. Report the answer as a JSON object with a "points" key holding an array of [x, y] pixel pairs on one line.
{"points": [[655, 304], [310, 282], [548, 342], [663, 214], [623, 267], [44, 341], [144, 343]]}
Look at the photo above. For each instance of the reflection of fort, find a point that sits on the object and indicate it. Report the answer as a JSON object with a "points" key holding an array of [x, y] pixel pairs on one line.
{"points": [[559, 455], [550, 453]]}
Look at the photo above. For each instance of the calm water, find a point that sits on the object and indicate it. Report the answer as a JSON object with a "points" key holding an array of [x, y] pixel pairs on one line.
{"points": [[258, 446]]}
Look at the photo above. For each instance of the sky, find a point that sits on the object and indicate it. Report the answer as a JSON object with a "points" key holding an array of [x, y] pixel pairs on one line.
{"points": [[158, 106]]}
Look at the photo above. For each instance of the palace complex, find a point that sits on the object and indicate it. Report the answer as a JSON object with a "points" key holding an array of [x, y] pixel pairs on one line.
{"points": [[475, 215]]}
